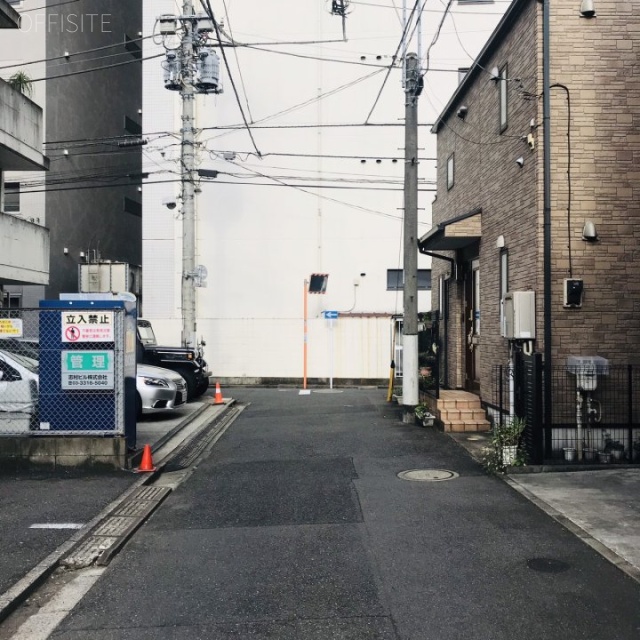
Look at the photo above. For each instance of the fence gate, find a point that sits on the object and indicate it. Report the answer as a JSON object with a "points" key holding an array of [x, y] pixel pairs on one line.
{"points": [[528, 383]]}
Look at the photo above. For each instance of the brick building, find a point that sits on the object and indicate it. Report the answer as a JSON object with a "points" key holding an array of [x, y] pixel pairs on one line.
{"points": [[488, 232]]}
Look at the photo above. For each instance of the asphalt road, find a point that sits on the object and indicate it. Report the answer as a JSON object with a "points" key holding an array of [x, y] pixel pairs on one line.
{"points": [[297, 527]]}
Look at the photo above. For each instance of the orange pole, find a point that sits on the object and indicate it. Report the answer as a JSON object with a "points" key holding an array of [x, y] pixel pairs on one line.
{"points": [[304, 357]]}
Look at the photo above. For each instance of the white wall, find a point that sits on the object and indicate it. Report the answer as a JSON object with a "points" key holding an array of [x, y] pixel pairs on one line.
{"points": [[24, 50], [259, 238]]}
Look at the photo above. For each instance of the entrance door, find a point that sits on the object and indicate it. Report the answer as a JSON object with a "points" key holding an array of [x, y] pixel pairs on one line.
{"points": [[472, 326]]}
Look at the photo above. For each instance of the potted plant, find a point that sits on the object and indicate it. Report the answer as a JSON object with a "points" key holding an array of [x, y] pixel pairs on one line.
{"points": [[505, 445], [424, 415], [614, 447]]}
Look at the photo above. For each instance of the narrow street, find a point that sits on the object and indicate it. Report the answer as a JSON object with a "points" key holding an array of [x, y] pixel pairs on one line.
{"points": [[296, 526]]}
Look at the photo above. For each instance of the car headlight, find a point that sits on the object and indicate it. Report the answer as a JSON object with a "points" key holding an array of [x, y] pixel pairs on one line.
{"points": [[156, 382]]}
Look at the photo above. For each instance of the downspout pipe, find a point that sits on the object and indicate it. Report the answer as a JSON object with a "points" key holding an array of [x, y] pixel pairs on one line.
{"points": [[546, 116]]}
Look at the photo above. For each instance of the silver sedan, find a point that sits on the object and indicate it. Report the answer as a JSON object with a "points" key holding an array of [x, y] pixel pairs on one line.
{"points": [[158, 389]]}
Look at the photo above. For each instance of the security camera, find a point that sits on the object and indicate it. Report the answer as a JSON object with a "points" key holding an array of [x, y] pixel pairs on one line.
{"points": [[520, 162], [170, 203]]}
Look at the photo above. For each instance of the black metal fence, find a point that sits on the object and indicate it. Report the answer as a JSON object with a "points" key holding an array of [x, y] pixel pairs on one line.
{"points": [[595, 414]]}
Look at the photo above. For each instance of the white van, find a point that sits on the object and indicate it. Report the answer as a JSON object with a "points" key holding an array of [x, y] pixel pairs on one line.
{"points": [[18, 392]]}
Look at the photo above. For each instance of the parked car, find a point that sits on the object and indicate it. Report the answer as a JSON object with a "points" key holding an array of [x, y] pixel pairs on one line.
{"points": [[29, 347], [18, 392], [187, 362], [158, 389]]}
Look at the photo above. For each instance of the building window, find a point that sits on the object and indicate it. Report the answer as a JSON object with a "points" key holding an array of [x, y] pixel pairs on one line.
{"points": [[450, 171], [12, 197], [11, 300], [395, 280], [131, 126], [504, 281], [133, 47], [504, 111]]}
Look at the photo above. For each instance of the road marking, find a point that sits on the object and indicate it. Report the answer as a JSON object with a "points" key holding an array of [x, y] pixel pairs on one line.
{"points": [[42, 624], [57, 525]]}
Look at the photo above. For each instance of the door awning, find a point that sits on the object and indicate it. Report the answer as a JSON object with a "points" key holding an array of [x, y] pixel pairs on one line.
{"points": [[453, 234]]}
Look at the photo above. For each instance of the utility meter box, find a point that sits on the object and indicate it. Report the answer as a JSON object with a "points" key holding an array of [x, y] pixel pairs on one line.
{"points": [[587, 369], [519, 315]]}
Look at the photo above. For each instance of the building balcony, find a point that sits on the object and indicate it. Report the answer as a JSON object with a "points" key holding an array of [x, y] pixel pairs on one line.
{"points": [[24, 251], [20, 132]]}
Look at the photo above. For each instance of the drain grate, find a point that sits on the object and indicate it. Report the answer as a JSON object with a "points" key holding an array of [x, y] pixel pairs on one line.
{"points": [[427, 475], [192, 451]]}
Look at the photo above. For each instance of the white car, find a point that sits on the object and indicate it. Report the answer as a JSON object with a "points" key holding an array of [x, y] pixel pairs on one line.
{"points": [[158, 389], [18, 392]]}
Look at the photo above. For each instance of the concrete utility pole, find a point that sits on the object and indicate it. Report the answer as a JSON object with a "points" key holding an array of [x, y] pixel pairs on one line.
{"points": [[412, 87], [187, 159], [192, 68]]}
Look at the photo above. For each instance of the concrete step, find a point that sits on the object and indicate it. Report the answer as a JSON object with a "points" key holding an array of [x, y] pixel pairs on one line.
{"points": [[466, 425]]}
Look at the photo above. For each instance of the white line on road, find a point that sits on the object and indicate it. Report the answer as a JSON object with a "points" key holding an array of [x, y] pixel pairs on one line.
{"points": [[40, 625], [57, 525]]}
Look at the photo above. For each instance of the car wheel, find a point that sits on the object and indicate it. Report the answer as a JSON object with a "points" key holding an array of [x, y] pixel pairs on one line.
{"points": [[201, 387], [192, 384]]}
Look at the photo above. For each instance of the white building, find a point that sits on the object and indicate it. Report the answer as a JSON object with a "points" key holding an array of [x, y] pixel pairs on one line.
{"points": [[24, 244], [314, 185]]}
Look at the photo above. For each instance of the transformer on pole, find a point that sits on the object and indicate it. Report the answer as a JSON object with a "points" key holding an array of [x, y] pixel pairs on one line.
{"points": [[191, 68]]}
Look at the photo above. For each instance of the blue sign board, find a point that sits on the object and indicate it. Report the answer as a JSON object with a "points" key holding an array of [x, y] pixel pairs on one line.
{"points": [[330, 315]]}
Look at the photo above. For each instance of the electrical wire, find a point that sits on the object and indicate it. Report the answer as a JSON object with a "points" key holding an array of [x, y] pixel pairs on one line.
{"points": [[207, 7], [108, 66], [235, 54], [393, 58], [311, 101], [75, 53]]}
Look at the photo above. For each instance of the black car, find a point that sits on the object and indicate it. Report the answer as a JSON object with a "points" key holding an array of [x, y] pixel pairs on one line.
{"points": [[188, 362]]}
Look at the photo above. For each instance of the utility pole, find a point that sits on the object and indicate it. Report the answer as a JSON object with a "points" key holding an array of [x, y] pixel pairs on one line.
{"points": [[187, 160], [412, 88], [190, 69]]}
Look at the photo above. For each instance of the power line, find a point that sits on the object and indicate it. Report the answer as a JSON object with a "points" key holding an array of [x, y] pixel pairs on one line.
{"points": [[394, 58], [76, 53], [108, 66], [207, 7]]}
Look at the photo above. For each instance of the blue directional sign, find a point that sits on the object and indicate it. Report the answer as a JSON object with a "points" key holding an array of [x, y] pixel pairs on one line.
{"points": [[330, 315]]}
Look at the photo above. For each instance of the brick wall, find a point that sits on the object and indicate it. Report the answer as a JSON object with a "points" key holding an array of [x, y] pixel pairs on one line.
{"points": [[596, 60]]}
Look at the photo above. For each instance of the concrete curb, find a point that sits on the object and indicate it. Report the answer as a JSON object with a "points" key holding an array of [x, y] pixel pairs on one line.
{"points": [[13, 597], [134, 459]]}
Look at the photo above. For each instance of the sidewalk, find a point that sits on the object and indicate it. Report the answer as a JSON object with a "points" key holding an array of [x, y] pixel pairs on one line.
{"points": [[46, 514], [602, 507]]}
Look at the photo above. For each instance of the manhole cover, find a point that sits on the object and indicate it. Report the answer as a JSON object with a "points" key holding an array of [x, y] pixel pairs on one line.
{"points": [[547, 565], [427, 475]]}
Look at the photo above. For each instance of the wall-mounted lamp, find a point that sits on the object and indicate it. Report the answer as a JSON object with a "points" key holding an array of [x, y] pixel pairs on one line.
{"points": [[587, 10], [520, 162], [500, 242], [495, 74], [589, 232], [462, 112], [82, 255], [65, 251]]}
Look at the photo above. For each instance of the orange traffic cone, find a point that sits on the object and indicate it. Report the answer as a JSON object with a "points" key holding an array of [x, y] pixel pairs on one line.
{"points": [[147, 463], [218, 397]]}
